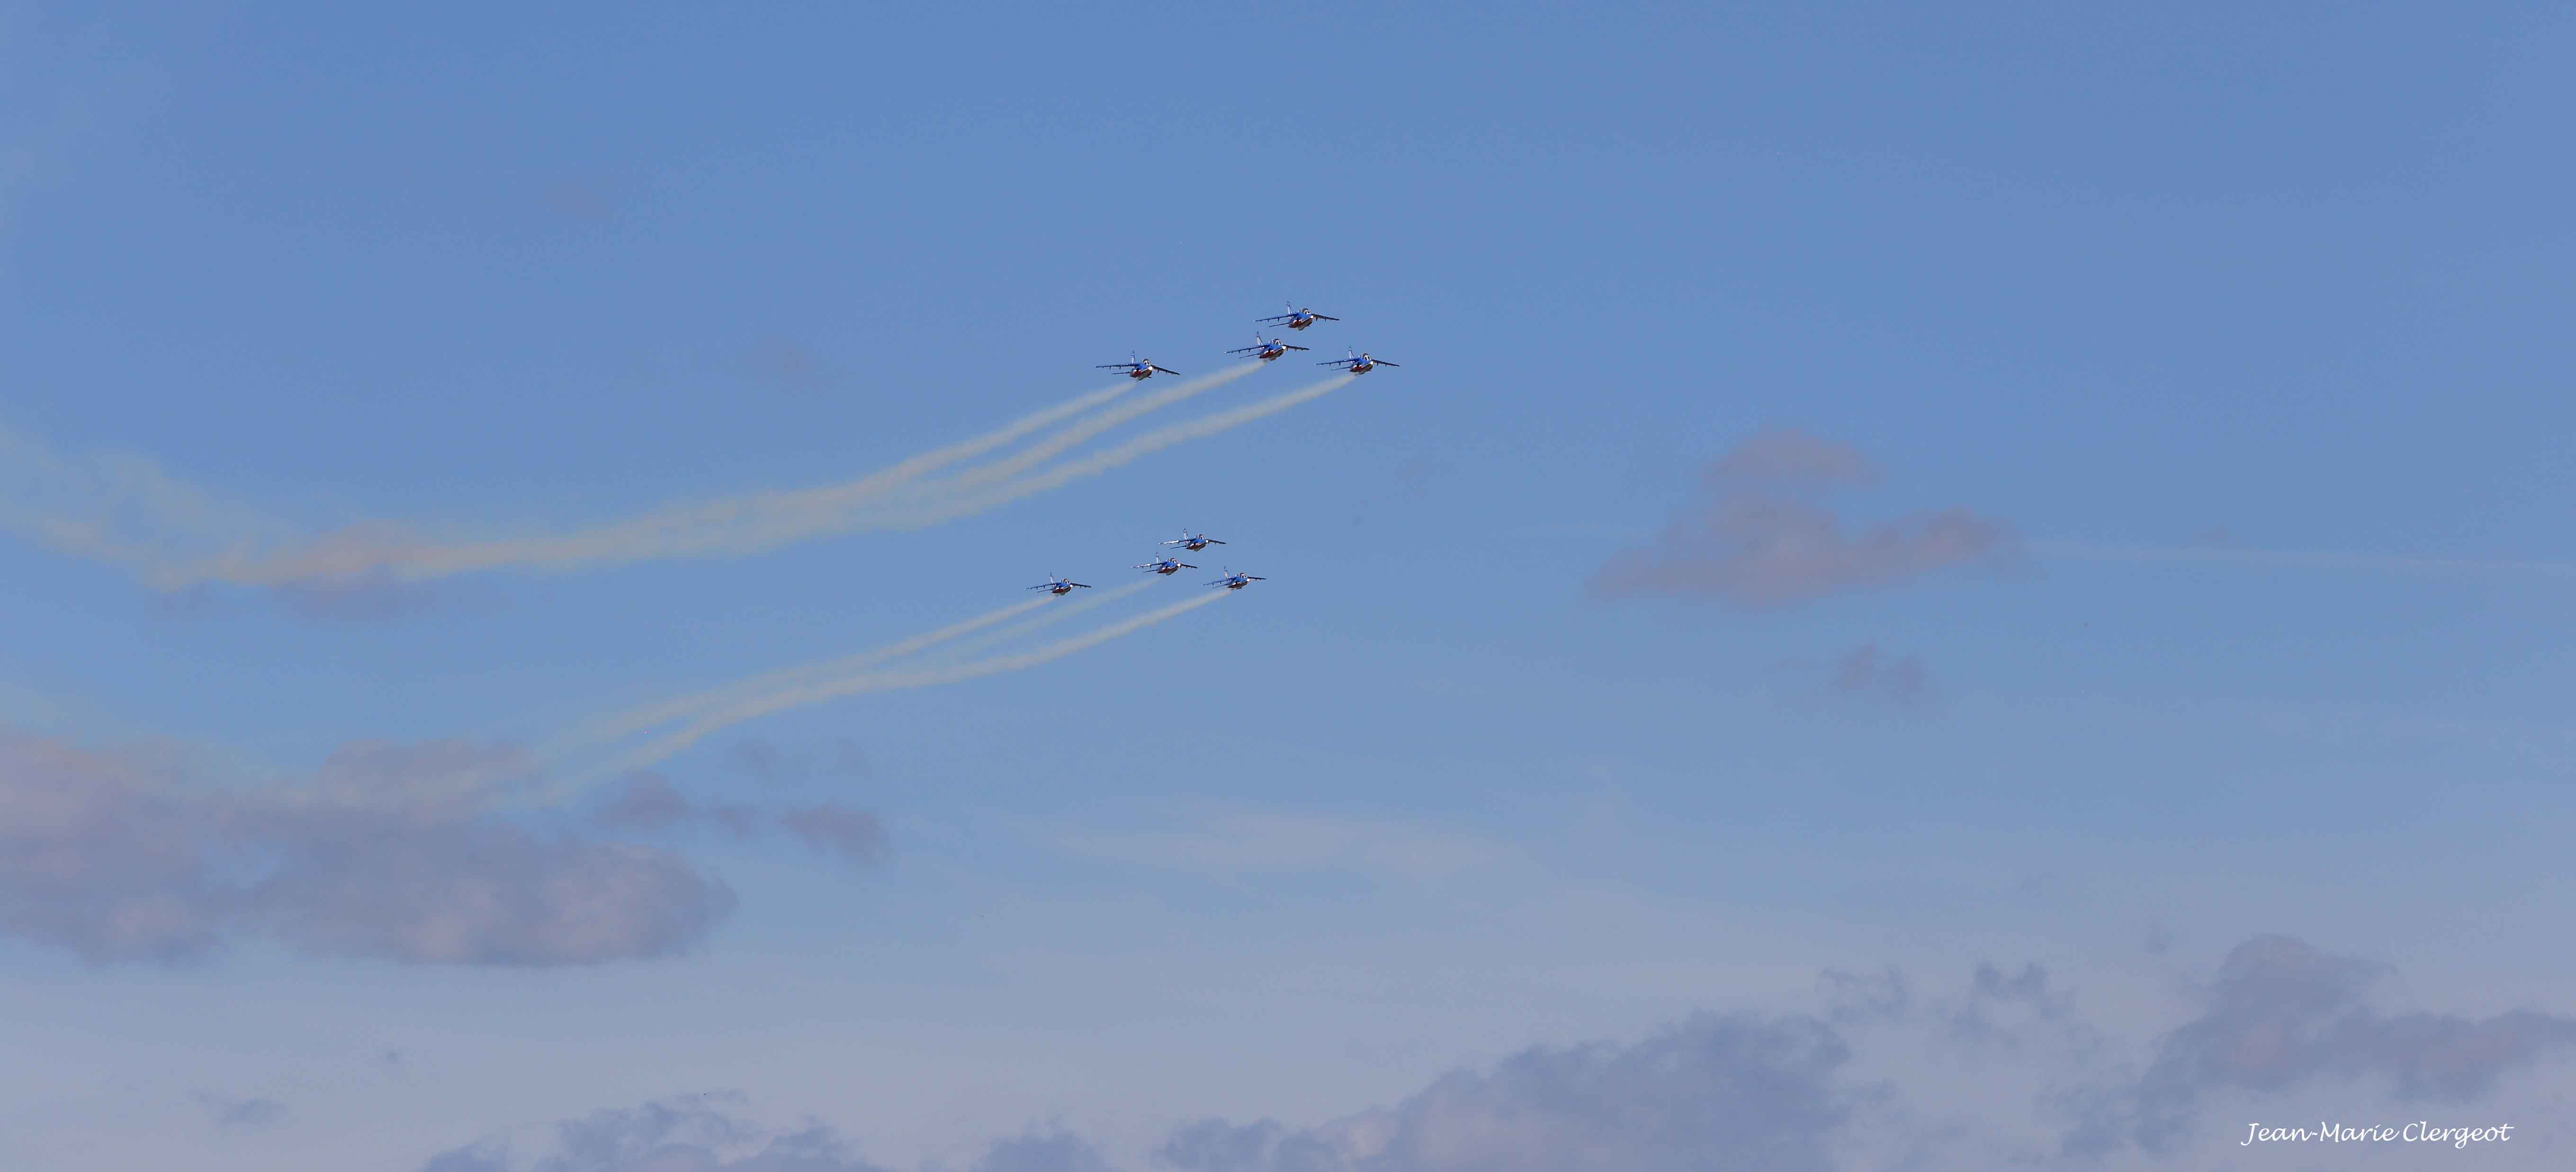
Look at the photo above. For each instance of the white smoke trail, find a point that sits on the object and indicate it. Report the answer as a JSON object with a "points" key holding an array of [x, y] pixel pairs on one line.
{"points": [[121, 509], [815, 693], [601, 730], [1067, 439], [126, 512], [1071, 470], [735, 525], [1057, 612], [608, 729]]}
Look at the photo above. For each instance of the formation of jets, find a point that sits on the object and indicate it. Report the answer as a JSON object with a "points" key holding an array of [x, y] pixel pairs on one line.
{"points": [[1166, 565], [1274, 348], [1267, 350]]}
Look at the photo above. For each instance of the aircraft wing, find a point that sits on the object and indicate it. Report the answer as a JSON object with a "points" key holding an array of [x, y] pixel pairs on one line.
{"points": [[1321, 317], [1164, 369], [1295, 347], [1384, 362], [1267, 320]]}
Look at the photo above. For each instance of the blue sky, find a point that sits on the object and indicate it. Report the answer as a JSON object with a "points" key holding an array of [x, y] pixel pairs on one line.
{"points": [[2228, 345]]}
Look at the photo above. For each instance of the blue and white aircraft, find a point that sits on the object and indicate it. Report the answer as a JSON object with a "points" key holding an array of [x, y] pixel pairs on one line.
{"points": [[1359, 363], [1296, 319], [1235, 581], [1059, 587], [1138, 369], [1194, 542], [1167, 567], [1266, 350]]}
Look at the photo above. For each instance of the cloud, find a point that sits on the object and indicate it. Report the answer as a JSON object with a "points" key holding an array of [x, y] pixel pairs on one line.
{"points": [[697, 1133], [1752, 541], [855, 836], [1851, 998], [243, 1114], [1967, 1078], [378, 855], [1779, 455], [479, 893], [787, 362], [369, 598], [1054, 1152], [1869, 674], [1762, 1091], [2282, 1013], [762, 761], [650, 804]]}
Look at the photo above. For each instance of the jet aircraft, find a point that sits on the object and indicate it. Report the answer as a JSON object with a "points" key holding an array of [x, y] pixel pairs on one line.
{"points": [[1297, 319], [1194, 542], [1235, 581], [1266, 350], [1059, 587], [1138, 369], [1359, 363], [1167, 567]]}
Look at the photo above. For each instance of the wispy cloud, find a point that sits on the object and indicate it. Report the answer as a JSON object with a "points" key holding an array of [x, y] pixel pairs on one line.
{"points": [[1890, 1072], [2283, 1012], [245, 1114], [1238, 841], [853, 836], [1870, 674], [2297, 559], [379, 854], [1755, 539]]}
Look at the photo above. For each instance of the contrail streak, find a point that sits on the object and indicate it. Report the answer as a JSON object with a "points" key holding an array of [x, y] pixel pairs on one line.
{"points": [[618, 726], [1097, 463], [737, 525], [121, 509], [1059, 611], [634, 720], [1067, 439], [816, 693], [126, 512]]}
